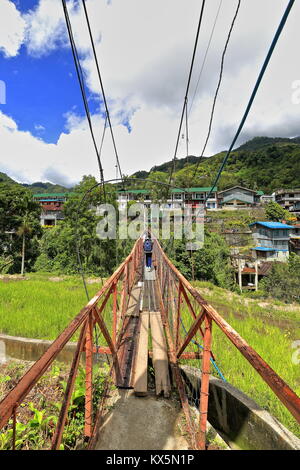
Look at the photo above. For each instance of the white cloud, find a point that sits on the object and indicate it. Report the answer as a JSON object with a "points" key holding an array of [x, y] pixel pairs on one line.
{"points": [[12, 27], [39, 127], [45, 28], [144, 51]]}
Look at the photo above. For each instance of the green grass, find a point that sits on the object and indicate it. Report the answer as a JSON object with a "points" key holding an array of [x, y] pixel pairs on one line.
{"points": [[270, 330], [39, 308]]}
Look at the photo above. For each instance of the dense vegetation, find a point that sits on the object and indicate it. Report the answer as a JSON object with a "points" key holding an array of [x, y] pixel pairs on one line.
{"points": [[263, 163], [19, 228]]}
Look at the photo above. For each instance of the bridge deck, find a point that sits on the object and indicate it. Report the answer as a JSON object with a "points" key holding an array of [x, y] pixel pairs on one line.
{"points": [[143, 311]]}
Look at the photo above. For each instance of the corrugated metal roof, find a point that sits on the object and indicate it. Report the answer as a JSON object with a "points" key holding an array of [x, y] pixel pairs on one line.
{"points": [[272, 225], [52, 195], [263, 248], [262, 270], [237, 186], [193, 190], [175, 190]]}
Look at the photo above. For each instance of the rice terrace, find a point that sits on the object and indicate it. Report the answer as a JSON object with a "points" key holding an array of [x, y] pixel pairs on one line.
{"points": [[149, 299]]}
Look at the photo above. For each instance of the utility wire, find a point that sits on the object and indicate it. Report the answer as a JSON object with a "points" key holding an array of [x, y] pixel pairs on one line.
{"points": [[102, 88], [205, 56], [187, 91], [257, 84], [82, 88], [218, 87]]}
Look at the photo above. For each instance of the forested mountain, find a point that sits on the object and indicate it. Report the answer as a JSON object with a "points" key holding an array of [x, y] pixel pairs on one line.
{"points": [[38, 187], [263, 163]]}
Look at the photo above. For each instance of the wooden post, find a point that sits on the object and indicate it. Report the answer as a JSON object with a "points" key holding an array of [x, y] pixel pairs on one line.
{"points": [[240, 274], [205, 383], [89, 378], [256, 274]]}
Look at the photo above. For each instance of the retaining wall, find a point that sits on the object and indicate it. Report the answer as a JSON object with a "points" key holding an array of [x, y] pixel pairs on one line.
{"points": [[241, 422]]}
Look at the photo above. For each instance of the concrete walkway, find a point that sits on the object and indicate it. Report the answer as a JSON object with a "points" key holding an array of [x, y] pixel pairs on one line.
{"points": [[141, 423]]}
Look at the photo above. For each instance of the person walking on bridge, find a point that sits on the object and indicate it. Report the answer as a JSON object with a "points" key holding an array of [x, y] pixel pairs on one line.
{"points": [[148, 246]]}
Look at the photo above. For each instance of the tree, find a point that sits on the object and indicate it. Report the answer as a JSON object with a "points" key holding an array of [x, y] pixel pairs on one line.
{"points": [[275, 212], [24, 229], [16, 203], [210, 263], [60, 245], [283, 281]]}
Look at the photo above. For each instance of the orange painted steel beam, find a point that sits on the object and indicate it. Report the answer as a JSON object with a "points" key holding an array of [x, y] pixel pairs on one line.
{"points": [[191, 333], [177, 376], [88, 406], [204, 390], [57, 437], [115, 299], [286, 395], [178, 315], [193, 314], [27, 382]]}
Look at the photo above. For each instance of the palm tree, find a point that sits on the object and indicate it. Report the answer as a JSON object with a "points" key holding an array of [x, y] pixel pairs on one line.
{"points": [[24, 229]]}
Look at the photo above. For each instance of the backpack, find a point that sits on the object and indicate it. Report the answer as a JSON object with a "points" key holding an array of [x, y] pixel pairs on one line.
{"points": [[148, 246]]}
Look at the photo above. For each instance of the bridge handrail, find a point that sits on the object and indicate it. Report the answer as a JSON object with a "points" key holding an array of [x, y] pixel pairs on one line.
{"points": [[286, 395], [27, 382]]}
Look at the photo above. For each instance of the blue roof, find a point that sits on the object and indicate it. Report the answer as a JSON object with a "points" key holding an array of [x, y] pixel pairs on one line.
{"points": [[272, 225], [264, 248]]}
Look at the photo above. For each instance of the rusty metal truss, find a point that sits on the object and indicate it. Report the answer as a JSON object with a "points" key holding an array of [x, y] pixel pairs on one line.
{"points": [[173, 293]]}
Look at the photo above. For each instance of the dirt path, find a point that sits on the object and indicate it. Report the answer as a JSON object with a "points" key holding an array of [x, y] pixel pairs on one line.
{"points": [[141, 423]]}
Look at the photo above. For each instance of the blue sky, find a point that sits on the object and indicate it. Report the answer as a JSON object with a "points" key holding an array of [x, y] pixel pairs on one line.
{"points": [[41, 90], [144, 56]]}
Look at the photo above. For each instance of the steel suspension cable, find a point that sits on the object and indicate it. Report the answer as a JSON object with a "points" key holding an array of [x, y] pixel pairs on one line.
{"points": [[102, 88], [253, 94], [205, 56], [187, 90], [82, 88], [218, 87]]}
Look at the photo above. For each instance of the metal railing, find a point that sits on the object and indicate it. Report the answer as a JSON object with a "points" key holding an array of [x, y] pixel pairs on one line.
{"points": [[86, 320], [177, 292]]}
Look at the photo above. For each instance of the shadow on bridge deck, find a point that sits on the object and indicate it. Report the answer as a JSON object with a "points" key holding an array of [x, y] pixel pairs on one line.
{"points": [[135, 423]]}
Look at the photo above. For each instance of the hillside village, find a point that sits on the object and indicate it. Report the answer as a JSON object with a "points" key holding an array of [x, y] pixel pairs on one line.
{"points": [[259, 227], [272, 240]]}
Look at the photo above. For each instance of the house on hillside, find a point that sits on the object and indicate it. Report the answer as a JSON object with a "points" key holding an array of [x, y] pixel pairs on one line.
{"points": [[52, 206], [272, 240], [265, 198], [289, 199], [178, 198], [249, 270], [238, 197], [295, 239]]}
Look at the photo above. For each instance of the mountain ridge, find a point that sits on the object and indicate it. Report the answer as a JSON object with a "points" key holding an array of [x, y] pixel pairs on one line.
{"points": [[265, 163]]}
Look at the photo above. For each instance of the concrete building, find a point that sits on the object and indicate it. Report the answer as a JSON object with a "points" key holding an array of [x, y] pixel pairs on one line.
{"points": [[238, 197], [265, 198], [177, 198], [272, 240], [52, 206], [288, 198], [295, 239]]}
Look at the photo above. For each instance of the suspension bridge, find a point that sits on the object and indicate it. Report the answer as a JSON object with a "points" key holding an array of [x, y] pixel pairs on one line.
{"points": [[161, 304]]}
